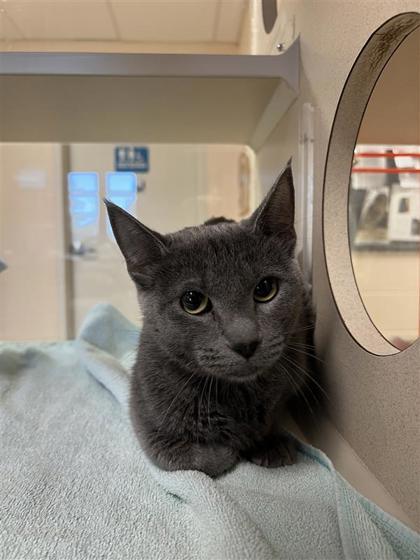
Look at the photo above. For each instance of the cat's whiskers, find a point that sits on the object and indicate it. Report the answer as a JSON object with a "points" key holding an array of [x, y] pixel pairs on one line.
{"points": [[201, 400], [309, 327], [202, 380], [307, 347], [296, 387], [308, 376], [208, 402], [306, 385], [304, 352], [306, 344]]}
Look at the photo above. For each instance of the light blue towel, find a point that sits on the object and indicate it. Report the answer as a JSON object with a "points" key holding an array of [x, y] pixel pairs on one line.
{"points": [[75, 485]]}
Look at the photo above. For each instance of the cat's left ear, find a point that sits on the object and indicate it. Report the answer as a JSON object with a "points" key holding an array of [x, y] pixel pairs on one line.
{"points": [[141, 246], [276, 213]]}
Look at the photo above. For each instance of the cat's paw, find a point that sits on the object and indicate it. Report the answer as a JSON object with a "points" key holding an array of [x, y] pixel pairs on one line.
{"points": [[274, 451], [213, 460]]}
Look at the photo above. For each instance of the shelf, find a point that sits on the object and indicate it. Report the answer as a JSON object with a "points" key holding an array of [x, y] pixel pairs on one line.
{"points": [[61, 97]]}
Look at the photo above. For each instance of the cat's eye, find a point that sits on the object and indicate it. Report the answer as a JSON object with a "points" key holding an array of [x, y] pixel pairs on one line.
{"points": [[195, 302], [265, 290]]}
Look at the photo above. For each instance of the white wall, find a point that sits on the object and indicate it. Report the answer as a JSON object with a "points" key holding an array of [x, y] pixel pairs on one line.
{"points": [[32, 304]]}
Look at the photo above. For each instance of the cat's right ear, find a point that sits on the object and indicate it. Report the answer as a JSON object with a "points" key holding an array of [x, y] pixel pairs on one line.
{"points": [[275, 215], [141, 246]]}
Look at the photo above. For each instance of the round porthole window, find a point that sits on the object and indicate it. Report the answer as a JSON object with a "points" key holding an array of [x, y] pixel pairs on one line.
{"points": [[371, 212]]}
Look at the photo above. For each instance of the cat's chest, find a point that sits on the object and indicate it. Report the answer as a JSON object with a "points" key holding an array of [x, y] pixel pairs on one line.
{"points": [[223, 414]]}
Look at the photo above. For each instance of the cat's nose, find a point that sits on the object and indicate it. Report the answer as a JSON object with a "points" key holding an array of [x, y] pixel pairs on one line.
{"points": [[245, 349]]}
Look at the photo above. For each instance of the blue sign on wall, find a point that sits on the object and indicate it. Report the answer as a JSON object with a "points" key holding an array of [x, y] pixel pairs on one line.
{"points": [[132, 158]]}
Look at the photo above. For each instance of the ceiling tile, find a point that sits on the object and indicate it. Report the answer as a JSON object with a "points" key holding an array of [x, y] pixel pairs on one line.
{"points": [[230, 19], [165, 20], [62, 19]]}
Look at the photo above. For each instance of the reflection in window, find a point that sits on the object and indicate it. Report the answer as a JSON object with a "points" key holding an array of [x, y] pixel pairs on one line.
{"points": [[385, 197], [384, 213], [404, 205], [83, 192], [121, 189]]}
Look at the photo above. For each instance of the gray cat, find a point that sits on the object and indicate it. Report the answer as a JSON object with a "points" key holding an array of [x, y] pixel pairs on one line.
{"points": [[224, 342]]}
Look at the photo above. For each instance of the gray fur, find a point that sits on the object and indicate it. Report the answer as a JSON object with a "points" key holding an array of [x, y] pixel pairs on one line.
{"points": [[196, 403]]}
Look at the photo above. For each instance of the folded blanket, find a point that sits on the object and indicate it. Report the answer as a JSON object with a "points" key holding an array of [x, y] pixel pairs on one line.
{"points": [[74, 483]]}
